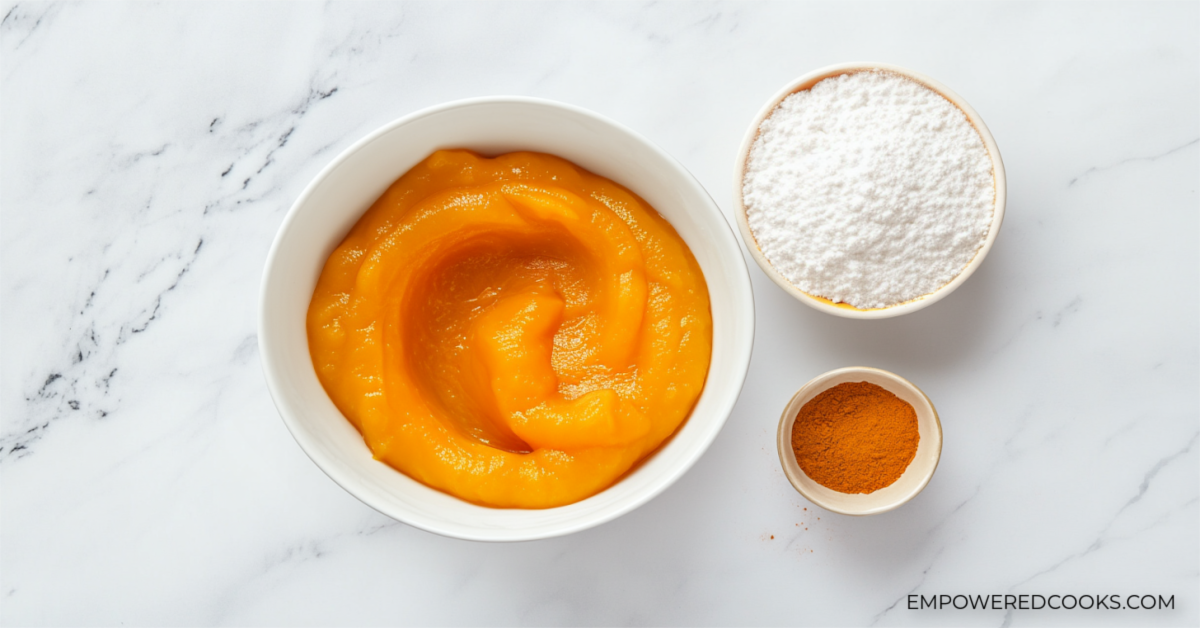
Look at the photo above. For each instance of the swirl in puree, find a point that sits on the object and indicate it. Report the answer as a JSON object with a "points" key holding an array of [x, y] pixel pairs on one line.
{"points": [[516, 331]]}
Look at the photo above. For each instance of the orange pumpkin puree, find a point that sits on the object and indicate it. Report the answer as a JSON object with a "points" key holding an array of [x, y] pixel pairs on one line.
{"points": [[516, 331]]}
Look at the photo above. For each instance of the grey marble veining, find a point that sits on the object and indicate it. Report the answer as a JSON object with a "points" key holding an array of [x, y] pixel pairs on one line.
{"points": [[148, 153]]}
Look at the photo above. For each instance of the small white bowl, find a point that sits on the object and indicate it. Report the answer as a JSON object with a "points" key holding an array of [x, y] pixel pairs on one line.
{"points": [[335, 200], [843, 309], [915, 477]]}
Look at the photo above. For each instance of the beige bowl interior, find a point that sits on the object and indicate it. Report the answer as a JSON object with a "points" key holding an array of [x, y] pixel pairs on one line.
{"points": [[915, 477], [841, 309]]}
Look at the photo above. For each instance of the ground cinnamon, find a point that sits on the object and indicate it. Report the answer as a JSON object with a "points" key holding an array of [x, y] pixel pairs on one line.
{"points": [[855, 437]]}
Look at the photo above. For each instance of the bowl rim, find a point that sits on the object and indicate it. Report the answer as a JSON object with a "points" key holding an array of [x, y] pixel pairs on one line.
{"points": [[806, 81], [741, 343], [787, 458]]}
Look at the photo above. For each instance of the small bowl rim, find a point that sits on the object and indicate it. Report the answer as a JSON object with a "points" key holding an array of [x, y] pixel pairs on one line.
{"points": [[806, 81], [787, 458]]}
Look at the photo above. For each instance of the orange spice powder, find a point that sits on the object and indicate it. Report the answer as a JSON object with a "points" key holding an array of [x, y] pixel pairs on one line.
{"points": [[855, 437]]}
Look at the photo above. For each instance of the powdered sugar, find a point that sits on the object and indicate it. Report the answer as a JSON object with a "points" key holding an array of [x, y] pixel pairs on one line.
{"points": [[869, 189]]}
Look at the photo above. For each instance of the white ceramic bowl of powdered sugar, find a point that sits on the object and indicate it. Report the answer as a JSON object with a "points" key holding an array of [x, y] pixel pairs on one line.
{"points": [[866, 190]]}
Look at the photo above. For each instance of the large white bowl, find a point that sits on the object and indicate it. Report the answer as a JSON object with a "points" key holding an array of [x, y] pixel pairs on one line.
{"points": [[335, 200]]}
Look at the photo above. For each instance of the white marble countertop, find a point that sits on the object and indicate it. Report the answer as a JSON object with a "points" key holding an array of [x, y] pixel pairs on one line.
{"points": [[150, 151]]}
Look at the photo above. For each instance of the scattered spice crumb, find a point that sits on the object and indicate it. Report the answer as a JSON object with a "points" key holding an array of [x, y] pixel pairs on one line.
{"points": [[772, 537]]}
